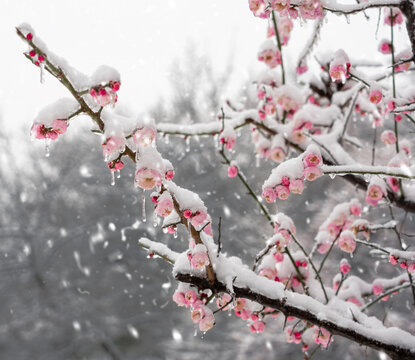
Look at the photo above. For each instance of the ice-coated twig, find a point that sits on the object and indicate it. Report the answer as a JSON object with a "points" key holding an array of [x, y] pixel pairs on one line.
{"points": [[403, 173], [159, 249]]}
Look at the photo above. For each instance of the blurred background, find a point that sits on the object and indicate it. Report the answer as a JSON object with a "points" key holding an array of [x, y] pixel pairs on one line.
{"points": [[74, 283]]}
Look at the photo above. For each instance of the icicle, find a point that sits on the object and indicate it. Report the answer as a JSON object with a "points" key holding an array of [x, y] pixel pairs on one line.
{"points": [[166, 139], [118, 174], [216, 141], [257, 161], [143, 209], [137, 154], [112, 178], [175, 234], [188, 144], [42, 73], [347, 19], [47, 147], [155, 219]]}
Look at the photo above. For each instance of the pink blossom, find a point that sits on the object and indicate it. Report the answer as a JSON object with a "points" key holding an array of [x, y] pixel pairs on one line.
{"points": [[270, 108], [223, 300], [283, 192], [59, 126], [356, 210], [279, 257], [377, 289], [147, 179], [268, 273], [199, 260], [240, 304], [344, 266], [208, 229], [301, 69], [312, 173], [269, 195], [322, 337], [393, 259], [144, 136], [190, 297], [393, 16], [229, 141], [270, 57], [375, 95], [338, 73], [311, 9], [179, 298], [164, 206], [198, 218], [388, 137], [323, 248], [353, 300], [393, 183], [257, 327], [374, 194], [298, 136], [347, 243], [114, 144], [411, 267], [232, 171], [187, 213], [277, 154], [292, 336], [207, 322], [197, 314], [261, 94], [311, 159], [385, 47]]}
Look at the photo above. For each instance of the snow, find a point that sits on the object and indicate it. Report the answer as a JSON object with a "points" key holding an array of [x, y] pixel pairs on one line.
{"points": [[60, 109]]}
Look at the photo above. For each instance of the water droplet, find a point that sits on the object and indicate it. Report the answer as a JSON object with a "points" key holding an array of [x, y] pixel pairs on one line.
{"points": [[112, 178], [367, 177], [166, 139], [165, 230], [118, 174], [257, 161], [175, 234], [155, 219], [332, 176]]}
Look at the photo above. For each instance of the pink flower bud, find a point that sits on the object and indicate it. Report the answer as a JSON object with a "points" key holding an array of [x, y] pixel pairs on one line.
{"points": [[187, 213], [344, 266], [232, 171], [32, 53], [169, 175], [377, 289], [29, 36]]}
